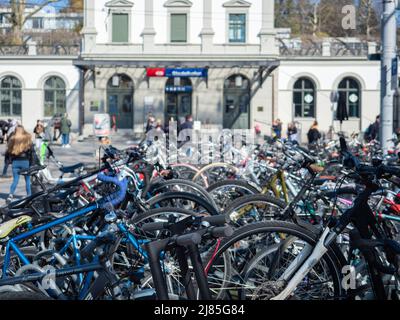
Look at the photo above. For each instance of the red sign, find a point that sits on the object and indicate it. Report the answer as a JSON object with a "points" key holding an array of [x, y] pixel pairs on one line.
{"points": [[156, 72]]}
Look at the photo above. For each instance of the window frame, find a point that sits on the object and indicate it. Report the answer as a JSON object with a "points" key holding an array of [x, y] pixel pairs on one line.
{"points": [[236, 10], [112, 14], [230, 41], [54, 90], [41, 19], [11, 90], [170, 27], [347, 91], [178, 10], [303, 92], [119, 10]]}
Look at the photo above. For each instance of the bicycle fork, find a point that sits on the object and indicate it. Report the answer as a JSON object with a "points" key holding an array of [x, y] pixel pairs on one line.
{"points": [[319, 251]]}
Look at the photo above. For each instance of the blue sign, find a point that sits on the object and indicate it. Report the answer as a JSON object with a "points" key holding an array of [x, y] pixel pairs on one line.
{"points": [[395, 67], [186, 73], [178, 89]]}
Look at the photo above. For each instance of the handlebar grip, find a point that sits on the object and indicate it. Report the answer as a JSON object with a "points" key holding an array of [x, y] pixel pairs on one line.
{"points": [[117, 197], [154, 226], [215, 221], [222, 232], [188, 239]]}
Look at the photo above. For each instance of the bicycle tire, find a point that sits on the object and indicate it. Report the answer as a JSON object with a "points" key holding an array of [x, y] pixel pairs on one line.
{"points": [[334, 261], [184, 196]]}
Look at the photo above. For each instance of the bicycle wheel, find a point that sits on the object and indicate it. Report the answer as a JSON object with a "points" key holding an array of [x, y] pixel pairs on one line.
{"points": [[127, 260], [180, 185], [183, 200], [254, 208], [214, 172], [224, 192], [262, 256]]}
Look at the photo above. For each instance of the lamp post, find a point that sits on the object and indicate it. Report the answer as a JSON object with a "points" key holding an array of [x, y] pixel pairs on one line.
{"points": [[389, 71]]}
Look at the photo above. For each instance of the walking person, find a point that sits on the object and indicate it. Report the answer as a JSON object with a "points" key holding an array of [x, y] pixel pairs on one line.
{"points": [[277, 129], [39, 134], [21, 153], [292, 132], [151, 123], [372, 132], [56, 121], [313, 135], [11, 128], [65, 131]]}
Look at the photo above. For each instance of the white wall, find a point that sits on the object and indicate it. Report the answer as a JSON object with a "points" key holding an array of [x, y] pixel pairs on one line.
{"points": [[33, 73], [327, 74], [161, 21]]}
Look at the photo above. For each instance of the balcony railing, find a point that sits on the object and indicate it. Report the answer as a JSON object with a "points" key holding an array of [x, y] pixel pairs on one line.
{"points": [[325, 48], [33, 49]]}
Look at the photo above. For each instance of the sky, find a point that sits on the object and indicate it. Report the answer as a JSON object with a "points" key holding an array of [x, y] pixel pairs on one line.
{"points": [[60, 4]]}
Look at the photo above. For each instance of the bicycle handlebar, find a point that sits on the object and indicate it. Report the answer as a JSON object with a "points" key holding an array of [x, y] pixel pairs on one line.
{"points": [[117, 197]]}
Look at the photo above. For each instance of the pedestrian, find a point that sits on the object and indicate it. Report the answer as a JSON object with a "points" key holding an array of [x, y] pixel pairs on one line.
{"points": [[188, 123], [21, 153], [6, 165], [313, 134], [39, 134], [150, 124], [277, 128], [372, 132], [292, 132], [56, 126], [3, 130], [11, 127], [65, 129], [185, 136], [257, 130]]}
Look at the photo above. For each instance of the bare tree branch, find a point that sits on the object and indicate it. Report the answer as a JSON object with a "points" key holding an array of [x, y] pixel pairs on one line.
{"points": [[40, 7]]}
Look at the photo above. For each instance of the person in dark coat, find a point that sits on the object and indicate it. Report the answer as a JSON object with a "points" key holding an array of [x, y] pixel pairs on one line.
{"points": [[313, 134], [188, 124], [372, 132]]}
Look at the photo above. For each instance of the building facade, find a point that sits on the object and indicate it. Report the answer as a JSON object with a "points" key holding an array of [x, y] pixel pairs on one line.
{"points": [[315, 81], [44, 20], [214, 59], [37, 87], [221, 61]]}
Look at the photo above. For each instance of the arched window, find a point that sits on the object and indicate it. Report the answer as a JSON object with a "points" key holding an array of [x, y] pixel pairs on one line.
{"points": [[304, 98], [10, 97], [54, 96], [350, 96]]}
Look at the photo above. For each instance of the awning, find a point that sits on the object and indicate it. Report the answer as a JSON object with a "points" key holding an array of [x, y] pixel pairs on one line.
{"points": [[90, 63], [265, 66]]}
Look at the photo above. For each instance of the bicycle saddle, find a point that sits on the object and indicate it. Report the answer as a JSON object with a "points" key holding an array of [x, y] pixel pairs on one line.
{"points": [[7, 227], [71, 169], [32, 170]]}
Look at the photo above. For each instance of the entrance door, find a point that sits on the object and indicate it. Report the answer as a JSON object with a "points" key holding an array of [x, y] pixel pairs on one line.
{"points": [[237, 103], [178, 104], [120, 101]]}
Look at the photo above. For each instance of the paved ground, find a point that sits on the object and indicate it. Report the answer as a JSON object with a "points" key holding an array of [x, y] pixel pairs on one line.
{"points": [[80, 152]]}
